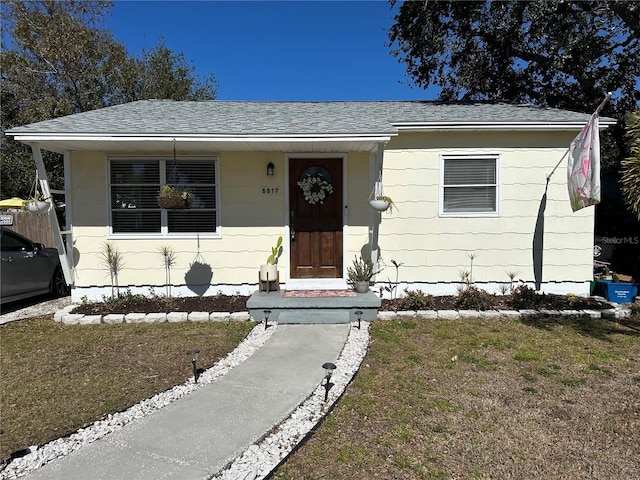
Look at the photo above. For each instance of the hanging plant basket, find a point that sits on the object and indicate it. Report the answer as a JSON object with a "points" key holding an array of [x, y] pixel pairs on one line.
{"points": [[37, 206], [176, 202], [37, 202], [379, 205], [378, 200]]}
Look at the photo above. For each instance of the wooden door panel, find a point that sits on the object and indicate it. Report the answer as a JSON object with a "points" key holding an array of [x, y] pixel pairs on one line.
{"points": [[316, 223]]}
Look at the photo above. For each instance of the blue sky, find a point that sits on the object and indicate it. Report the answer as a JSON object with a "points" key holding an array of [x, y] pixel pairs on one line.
{"points": [[269, 50]]}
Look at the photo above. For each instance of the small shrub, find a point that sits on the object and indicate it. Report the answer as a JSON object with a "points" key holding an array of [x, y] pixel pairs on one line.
{"points": [[524, 297], [473, 298], [416, 300], [113, 260]]}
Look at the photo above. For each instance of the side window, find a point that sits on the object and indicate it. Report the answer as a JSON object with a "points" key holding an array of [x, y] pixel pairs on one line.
{"points": [[9, 243], [469, 185], [134, 187]]}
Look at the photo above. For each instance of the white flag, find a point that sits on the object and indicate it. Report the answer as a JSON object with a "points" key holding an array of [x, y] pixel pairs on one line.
{"points": [[583, 169]]}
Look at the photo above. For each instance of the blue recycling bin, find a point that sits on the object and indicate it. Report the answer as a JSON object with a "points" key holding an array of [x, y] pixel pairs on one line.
{"points": [[617, 292]]}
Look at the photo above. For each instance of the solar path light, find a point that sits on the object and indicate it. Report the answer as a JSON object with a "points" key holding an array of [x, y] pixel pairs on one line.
{"points": [[193, 355], [328, 371], [266, 317], [359, 315]]}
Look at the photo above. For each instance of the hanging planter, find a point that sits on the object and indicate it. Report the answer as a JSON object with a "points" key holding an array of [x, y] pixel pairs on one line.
{"points": [[35, 206], [37, 202], [377, 200], [175, 202], [172, 198], [380, 204]]}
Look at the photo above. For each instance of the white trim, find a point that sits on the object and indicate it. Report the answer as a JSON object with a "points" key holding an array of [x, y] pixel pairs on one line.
{"points": [[516, 126], [97, 293], [439, 288], [68, 212], [41, 174], [32, 137], [287, 219], [442, 213], [345, 217], [110, 235]]}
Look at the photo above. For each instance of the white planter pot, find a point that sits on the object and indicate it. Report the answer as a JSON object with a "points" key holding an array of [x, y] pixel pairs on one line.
{"points": [[268, 273], [379, 205], [38, 206]]}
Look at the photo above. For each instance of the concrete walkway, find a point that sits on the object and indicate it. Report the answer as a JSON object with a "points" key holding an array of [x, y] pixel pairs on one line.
{"points": [[200, 434]]}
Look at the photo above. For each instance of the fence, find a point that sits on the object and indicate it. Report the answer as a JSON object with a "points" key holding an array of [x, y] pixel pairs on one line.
{"points": [[35, 226]]}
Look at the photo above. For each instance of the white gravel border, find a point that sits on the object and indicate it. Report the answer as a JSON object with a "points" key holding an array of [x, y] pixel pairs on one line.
{"points": [[261, 458], [39, 456]]}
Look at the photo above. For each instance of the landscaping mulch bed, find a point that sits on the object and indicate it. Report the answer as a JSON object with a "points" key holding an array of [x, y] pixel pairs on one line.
{"points": [[471, 299]]}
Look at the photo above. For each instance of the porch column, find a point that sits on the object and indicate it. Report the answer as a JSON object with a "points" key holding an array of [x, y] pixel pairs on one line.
{"points": [[53, 219], [375, 169]]}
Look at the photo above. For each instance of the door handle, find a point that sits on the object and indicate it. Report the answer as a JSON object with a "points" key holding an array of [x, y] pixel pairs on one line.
{"points": [[292, 227]]}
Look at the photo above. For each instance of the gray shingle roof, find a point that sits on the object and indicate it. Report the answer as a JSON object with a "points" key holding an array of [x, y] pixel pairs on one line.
{"points": [[166, 117]]}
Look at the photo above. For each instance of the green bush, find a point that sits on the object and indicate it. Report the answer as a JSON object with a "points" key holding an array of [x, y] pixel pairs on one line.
{"points": [[416, 300], [473, 298], [525, 297]]}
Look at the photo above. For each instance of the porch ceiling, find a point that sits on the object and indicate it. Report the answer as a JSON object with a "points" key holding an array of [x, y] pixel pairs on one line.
{"points": [[205, 145]]}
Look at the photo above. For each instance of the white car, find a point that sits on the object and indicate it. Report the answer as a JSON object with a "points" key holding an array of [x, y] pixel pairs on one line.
{"points": [[28, 269]]}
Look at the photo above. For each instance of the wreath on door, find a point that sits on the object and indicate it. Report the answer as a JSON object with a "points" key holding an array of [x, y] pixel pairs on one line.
{"points": [[316, 184]]}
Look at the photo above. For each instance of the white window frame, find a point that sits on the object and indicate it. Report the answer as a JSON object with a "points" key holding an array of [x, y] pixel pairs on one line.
{"points": [[164, 233], [477, 156]]}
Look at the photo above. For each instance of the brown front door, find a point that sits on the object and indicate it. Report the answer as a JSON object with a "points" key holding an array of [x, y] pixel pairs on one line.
{"points": [[315, 198]]}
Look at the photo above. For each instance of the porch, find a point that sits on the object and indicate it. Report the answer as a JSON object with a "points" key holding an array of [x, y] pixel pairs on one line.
{"points": [[313, 306]]}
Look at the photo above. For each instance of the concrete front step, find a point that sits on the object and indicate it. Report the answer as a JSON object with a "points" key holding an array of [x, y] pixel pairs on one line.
{"points": [[317, 315], [313, 309]]}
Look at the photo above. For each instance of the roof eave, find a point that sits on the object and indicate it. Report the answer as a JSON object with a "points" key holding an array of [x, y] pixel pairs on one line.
{"points": [[163, 137], [497, 126]]}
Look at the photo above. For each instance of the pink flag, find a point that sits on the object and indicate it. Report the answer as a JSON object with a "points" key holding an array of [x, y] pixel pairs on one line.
{"points": [[583, 169]]}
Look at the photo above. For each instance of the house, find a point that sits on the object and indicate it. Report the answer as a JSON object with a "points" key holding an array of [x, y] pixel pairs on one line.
{"points": [[470, 182]]}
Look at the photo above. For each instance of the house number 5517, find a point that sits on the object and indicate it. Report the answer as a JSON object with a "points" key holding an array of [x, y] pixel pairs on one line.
{"points": [[270, 190]]}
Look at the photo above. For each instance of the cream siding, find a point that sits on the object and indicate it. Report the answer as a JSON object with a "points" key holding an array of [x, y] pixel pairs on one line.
{"points": [[358, 211], [250, 223], [435, 249]]}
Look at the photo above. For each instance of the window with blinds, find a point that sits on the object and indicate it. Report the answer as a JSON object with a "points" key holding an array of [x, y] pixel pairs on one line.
{"points": [[134, 187], [469, 185]]}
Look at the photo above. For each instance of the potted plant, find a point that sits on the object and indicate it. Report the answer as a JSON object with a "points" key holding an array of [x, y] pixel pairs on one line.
{"points": [[378, 200], [382, 203], [37, 203], [174, 198], [360, 274], [269, 271]]}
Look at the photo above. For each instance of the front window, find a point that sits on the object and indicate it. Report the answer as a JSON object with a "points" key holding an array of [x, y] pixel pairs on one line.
{"points": [[136, 182], [469, 185]]}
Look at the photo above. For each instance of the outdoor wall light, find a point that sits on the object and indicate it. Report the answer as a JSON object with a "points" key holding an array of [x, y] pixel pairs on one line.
{"points": [[270, 168], [266, 317], [328, 371], [193, 355], [359, 315]]}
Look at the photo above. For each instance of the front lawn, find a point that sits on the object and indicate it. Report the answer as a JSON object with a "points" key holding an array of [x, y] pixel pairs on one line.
{"points": [[58, 378], [480, 399]]}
